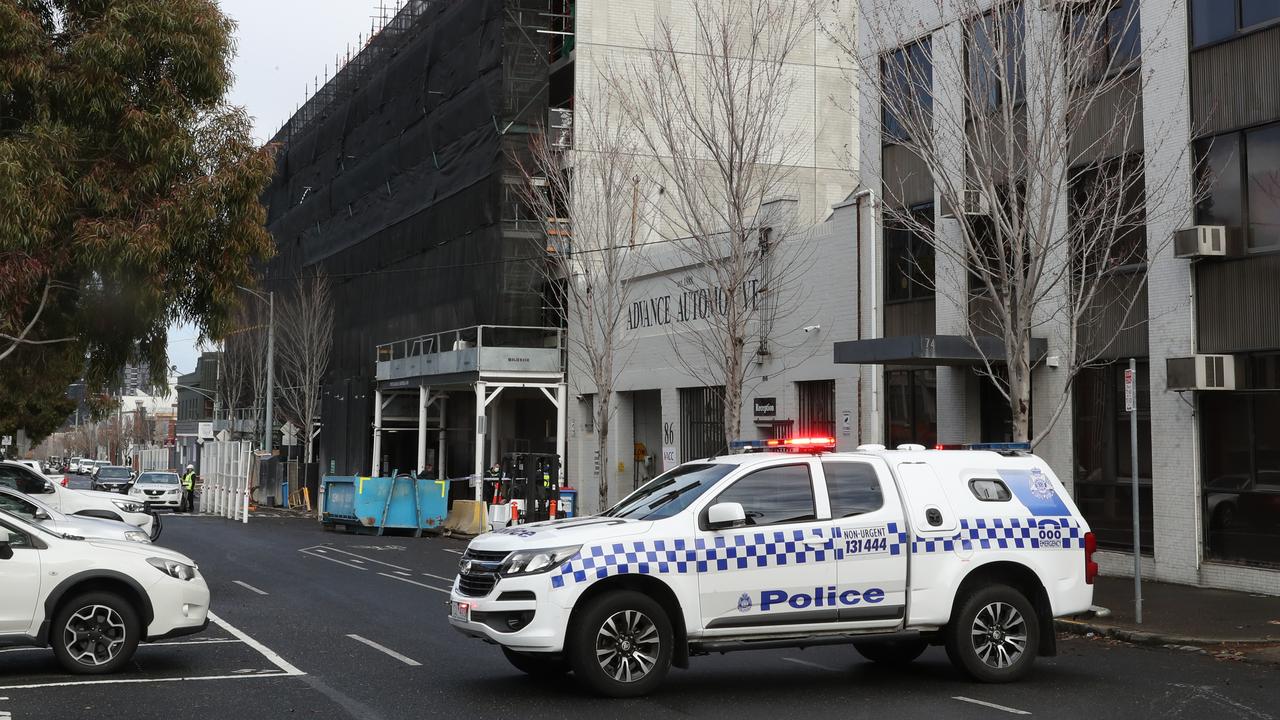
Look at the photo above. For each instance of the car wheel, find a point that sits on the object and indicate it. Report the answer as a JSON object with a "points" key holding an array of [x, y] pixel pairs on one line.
{"points": [[539, 665], [897, 651], [622, 644], [994, 636], [95, 633]]}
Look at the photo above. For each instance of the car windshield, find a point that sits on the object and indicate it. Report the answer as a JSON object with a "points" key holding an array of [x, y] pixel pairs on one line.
{"points": [[156, 478], [113, 472], [670, 492]]}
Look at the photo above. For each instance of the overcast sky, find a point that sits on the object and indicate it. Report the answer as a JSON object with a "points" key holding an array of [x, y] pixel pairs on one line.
{"points": [[282, 47]]}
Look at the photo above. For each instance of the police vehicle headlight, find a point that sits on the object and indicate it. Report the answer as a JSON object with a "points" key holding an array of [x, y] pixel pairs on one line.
{"points": [[528, 562], [129, 506], [137, 536], [173, 568]]}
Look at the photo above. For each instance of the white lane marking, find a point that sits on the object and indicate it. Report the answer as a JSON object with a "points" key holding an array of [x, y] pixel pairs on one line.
{"points": [[357, 561], [138, 681], [249, 587], [319, 550], [412, 582], [325, 557], [806, 663], [266, 652], [994, 706], [455, 552], [440, 577], [387, 650], [401, 572], [379, 562]]}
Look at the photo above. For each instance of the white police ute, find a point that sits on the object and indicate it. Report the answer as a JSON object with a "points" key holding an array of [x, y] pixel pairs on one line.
{"points": [[888, 550]]}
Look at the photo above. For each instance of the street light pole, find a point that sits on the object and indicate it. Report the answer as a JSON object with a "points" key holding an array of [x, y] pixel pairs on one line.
{"points": [[271, 367]]}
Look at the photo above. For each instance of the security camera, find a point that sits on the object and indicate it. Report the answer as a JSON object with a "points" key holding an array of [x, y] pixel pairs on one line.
{"points": [[811, 328]]}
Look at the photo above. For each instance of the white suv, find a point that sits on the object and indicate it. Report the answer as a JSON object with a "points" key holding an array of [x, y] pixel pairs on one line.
{"points": [[88, 503], [93, 601]]}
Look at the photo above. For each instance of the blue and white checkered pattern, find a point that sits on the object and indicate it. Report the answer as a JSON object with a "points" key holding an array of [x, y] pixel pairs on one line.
{"points": [[1004, 534], [743, 551], [720, 553]]}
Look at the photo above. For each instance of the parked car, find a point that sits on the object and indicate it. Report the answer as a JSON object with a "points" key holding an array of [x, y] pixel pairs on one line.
{"points": [[33, 510], [88, 503], [73, 465], [33, 464], [112, 478], [108, 597], [95, 466], [159, 490]]}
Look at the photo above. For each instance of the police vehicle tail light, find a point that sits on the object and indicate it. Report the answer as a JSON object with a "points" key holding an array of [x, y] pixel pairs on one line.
{"points": [[1090, 567]]}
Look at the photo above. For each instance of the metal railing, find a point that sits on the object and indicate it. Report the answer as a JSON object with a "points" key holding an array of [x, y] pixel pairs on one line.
{"points": [[477, 336]]}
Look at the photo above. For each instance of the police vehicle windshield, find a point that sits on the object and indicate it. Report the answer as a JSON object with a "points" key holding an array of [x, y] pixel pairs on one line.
{"points": [[669, 493]]}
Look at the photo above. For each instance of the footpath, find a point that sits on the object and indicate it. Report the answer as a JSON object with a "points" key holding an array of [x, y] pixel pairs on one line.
{"points": [[1231, 625]]}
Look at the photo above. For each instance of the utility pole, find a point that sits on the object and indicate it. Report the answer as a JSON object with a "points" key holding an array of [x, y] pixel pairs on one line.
{"points": [[271, 367]]}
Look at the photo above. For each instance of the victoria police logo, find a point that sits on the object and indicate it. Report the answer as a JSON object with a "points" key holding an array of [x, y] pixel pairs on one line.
{"points": [[744, 603], [1041, 488]]}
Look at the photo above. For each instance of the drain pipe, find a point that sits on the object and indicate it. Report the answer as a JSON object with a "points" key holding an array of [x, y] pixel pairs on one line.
{"points": [[857, 209]]}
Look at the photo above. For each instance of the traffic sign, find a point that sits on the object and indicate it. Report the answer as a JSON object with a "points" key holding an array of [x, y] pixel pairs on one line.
{"points": [[288, 434], [1130, 390], [6, 441]]}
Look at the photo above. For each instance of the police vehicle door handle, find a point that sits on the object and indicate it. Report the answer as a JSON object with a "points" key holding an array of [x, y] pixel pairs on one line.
{"points": [[818, 544]]}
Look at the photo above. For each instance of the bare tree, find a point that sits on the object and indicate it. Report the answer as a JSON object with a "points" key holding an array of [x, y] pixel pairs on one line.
{"points": [[709, 112], [589, 215], [244, 358], [1028, 119], [306, 343]]}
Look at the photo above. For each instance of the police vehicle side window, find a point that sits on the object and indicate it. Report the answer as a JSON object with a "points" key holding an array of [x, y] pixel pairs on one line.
{"points": [[990, 490], [774, 495], [853, 488]]}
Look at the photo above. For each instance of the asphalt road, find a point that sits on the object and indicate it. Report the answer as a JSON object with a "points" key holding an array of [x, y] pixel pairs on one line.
{"points": [[318, 624]]}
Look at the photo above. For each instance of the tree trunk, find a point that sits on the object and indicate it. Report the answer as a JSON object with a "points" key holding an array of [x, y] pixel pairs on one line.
{"points": [[1020, 396], [602, 447]]}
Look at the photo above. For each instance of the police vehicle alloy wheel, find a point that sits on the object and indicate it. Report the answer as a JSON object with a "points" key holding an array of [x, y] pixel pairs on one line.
{"points": [[898, 651], [995, 635], [621, 645], [95, 633], [539, 665]]}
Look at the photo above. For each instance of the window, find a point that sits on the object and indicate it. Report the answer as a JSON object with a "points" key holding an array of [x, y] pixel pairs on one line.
{"points": [[701, 422], [1214, 20], [817, 408], [995, 58], [1117, 38], [1107, 213], [906, 79], [775, 495], [670, 492], [989, 490], [1241, 456], [1240, 175], [20, 479], [912, 407], [852, 488], [1103, 472], [908, 255], [18, 506], [17, 538]]}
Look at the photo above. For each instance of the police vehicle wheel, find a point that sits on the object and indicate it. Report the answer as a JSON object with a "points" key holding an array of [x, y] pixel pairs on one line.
{"points": [[95, 633], [621, 646], [994, 637], [539, 665], [892, 652]]}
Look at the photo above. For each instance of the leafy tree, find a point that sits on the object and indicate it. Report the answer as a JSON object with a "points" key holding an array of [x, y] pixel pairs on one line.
{"points": [[129, 186]]}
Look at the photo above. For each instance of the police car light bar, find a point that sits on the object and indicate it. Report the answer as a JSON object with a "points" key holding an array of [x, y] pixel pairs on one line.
{"points": [[1004, 447], [809, 444]]}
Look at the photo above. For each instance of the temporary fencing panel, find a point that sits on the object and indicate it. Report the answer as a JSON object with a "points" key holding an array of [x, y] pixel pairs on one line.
{"points": [[154, 459], [226, 470]]}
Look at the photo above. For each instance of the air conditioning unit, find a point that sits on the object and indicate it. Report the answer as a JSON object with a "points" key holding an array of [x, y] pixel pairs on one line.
{"points": [[1205, 241], [973, 202], [1205, 372]]}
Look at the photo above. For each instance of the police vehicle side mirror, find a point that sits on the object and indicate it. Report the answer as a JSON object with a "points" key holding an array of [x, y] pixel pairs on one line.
{"points": [[40, 516], [6, 551], [726, 515], [48, 487]]}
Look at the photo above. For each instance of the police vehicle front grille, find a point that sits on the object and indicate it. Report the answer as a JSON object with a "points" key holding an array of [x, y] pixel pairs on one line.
{"points": [[485, 556], [484, 572], [477, 584]]}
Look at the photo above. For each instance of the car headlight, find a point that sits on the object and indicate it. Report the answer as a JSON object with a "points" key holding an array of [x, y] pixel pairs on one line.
{"points": [[137, 536], [173, 568], [528, 562], [129, 506]]}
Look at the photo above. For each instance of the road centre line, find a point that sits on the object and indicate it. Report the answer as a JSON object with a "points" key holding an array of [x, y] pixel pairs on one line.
{"points": [[387, 650], [806, 663], [266, 652], [994, 706], [249, 587], [412, 582], [379, 562], [325, 557]]}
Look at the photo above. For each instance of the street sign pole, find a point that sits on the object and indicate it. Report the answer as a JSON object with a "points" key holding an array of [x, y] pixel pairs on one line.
{"points": [[1131, 406]]}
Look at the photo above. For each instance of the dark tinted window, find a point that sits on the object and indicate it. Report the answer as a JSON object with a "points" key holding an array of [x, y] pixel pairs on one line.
{"points": [[988, 490], [774, 495], [17, 506], [1241, 451], [21, 479], [995, 57], [908, 254], [113, 473], [1218, 170], [906, 77], [853, 488], [1262, 155], [1253, 12], [1212, 20]]}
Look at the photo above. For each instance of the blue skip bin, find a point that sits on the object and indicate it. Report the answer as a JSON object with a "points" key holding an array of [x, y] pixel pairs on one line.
{"points": [[385, 502]]}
